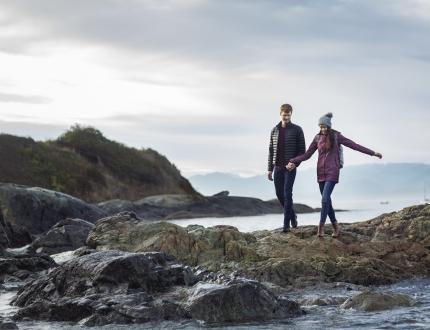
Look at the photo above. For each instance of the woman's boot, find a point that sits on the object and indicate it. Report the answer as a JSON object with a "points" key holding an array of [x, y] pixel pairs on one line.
{"points": [[320, 232], [335, 230]]}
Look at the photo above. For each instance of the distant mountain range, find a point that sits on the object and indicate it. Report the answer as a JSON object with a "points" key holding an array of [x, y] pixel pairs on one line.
{"points": [[381, 181]]}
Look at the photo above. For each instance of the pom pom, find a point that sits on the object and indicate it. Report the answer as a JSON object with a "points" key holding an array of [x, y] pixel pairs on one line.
{"points": [[329, 114]]}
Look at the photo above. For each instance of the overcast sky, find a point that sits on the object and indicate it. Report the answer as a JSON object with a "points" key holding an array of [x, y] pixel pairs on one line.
{"points": [[202, 81]]}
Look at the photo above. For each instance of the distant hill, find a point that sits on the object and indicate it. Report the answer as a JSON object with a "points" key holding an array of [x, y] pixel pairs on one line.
{"points": [[84, 163], [358, 181]]}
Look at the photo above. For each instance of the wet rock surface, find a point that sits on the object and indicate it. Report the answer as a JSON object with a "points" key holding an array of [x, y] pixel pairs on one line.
{"points": [[323, 301], [97, 289], [118, 287], [226, 303], [371, 301], [7, 324], [66, 235], [23, 267], [384, 250], [136, 271], [27, 211]]}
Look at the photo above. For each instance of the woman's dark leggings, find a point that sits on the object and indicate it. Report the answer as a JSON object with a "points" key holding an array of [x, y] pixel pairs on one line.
{"points": [[326, 188]]}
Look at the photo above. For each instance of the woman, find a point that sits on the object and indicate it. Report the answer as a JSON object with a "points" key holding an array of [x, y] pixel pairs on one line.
{"points": [[328, 142]]}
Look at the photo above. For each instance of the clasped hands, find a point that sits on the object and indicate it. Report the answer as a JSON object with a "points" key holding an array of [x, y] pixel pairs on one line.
{"points": [[290, 166]]}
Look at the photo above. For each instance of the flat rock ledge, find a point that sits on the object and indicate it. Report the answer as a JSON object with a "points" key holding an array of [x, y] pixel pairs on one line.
{"points": [[181, 206]]}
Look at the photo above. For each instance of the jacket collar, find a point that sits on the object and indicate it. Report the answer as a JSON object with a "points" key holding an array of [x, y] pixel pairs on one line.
{"points": [[280, 123]]}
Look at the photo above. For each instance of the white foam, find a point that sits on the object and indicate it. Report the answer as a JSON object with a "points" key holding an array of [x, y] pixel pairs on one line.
{"points": [[63, 257]]}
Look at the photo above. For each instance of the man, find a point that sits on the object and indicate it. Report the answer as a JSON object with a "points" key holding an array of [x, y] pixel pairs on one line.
{"points": [[286, 141]]}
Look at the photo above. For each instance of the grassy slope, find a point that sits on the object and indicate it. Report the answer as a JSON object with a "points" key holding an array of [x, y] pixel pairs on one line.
{"points": [[85, 164]]}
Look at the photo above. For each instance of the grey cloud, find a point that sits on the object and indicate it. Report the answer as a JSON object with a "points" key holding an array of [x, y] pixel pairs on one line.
{"points": [[183, 125], [320, 47], [425, 57], [37, 131], [158, 82], [230, 33], [17, 98]]}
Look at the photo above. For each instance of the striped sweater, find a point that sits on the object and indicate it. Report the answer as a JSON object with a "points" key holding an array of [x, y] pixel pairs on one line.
{"points": [[294, 143]]}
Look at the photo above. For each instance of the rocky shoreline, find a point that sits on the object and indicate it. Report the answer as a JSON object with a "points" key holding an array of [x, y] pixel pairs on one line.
{"points": [[125, 269], [169, 207], [28, 212], [389, 248]]}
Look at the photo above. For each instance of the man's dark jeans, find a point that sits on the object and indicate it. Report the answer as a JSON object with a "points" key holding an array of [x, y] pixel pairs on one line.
{"points": [[326, 188], [284, 181]]}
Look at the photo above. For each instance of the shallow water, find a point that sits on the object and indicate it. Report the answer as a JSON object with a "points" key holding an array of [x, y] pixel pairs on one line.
{"points": [[317, 317]]}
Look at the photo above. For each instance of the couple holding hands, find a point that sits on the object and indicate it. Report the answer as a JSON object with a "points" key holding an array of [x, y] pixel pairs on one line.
{"points": [[287, 151]]}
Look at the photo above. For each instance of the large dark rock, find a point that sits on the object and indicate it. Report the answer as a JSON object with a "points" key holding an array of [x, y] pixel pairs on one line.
{"points": [[66, 235], [100, 285], [106, 272], [27, 211], [6, 324], [24, 266], [117, 287], [240, 301]]}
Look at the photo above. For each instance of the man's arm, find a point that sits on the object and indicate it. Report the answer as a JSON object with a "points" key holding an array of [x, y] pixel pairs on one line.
{"points": [[270, 159]]}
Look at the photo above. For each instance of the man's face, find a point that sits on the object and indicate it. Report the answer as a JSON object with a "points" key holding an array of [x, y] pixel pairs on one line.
{"points": [[286, 116]]}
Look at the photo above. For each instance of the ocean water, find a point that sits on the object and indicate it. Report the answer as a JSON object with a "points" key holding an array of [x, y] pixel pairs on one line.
{"points": [[356, 211]]}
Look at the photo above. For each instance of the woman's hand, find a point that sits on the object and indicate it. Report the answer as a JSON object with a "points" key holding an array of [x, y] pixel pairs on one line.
{"points": [[377, 154]]}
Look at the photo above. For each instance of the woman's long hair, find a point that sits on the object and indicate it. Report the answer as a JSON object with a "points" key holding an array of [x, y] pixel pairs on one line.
{"points": [[330, 138]]}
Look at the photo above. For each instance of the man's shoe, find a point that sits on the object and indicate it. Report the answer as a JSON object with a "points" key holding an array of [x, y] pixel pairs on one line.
{"points": [[286, 230], [294, 221]]}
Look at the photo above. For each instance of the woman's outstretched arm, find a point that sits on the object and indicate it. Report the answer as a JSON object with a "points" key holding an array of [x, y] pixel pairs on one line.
{"points": [[308, 154], [355, 146]]}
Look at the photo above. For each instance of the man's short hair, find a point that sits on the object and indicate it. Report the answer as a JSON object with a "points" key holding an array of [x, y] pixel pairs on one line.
{"points": [[286, 108]]}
